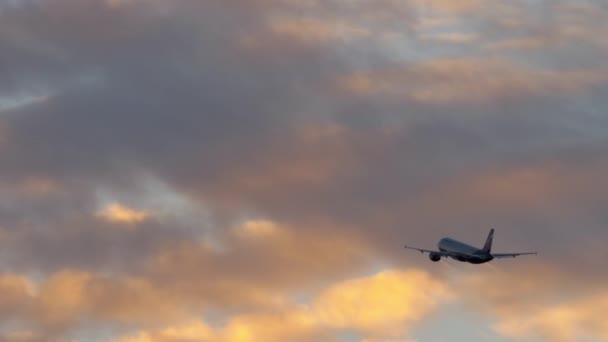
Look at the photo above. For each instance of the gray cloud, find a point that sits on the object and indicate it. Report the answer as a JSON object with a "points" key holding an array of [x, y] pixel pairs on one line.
{"points": [[243, 119], [170, 90]]}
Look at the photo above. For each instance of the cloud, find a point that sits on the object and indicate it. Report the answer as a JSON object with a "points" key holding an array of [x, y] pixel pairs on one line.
{"points": [[257, 229], [40, 186], [280, 147], [453, 38], [316, 31], [382, 305], [195, 331], [117, 213], [16, 292], [254, 263], [529, 308], [256, 266], [22, 336], [67, 299], [582, 319], [468, 81]]}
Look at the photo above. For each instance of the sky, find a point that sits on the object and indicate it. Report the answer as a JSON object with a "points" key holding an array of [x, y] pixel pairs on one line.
{"points": [[249, 170]]}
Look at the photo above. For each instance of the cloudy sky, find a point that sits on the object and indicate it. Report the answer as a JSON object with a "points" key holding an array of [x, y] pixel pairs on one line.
{"points": [[249, 170]]}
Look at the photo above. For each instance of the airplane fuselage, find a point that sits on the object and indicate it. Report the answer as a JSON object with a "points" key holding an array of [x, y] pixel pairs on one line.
{"points": [[463, 252], [450, 248]]}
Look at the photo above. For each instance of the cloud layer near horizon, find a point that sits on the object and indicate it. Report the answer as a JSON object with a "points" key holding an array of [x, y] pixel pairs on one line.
{"points": [[249, 170]]}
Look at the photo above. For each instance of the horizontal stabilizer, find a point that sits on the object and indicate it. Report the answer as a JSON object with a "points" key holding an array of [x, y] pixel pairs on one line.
{"points": [[512, 255]]}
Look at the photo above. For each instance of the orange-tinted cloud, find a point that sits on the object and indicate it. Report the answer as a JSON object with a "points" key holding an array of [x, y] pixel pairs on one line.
{"points": [[458, 6], [537, 186], [15, 294], [383, 306], [258, 266], [570, 320], [60, 303], [467, 80], [300, 189], [315, 30], [118, 213], [255, 263], [186, 332], [546, 304], [40, 186], [32, 187], [22, 336]]}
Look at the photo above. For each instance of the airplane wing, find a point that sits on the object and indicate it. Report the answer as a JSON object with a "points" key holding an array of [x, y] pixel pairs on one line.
{"points": [[511, 255], [445, 254]]}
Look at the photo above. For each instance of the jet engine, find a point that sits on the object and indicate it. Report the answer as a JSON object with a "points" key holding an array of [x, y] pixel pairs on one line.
{"points": [[435, 257]]}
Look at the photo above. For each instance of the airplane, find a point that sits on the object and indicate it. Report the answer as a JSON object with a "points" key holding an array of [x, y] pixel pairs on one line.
{"points": [[466, 253]]}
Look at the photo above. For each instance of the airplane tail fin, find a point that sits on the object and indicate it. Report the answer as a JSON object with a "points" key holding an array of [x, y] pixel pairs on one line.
{"points": [[488, 246]]}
